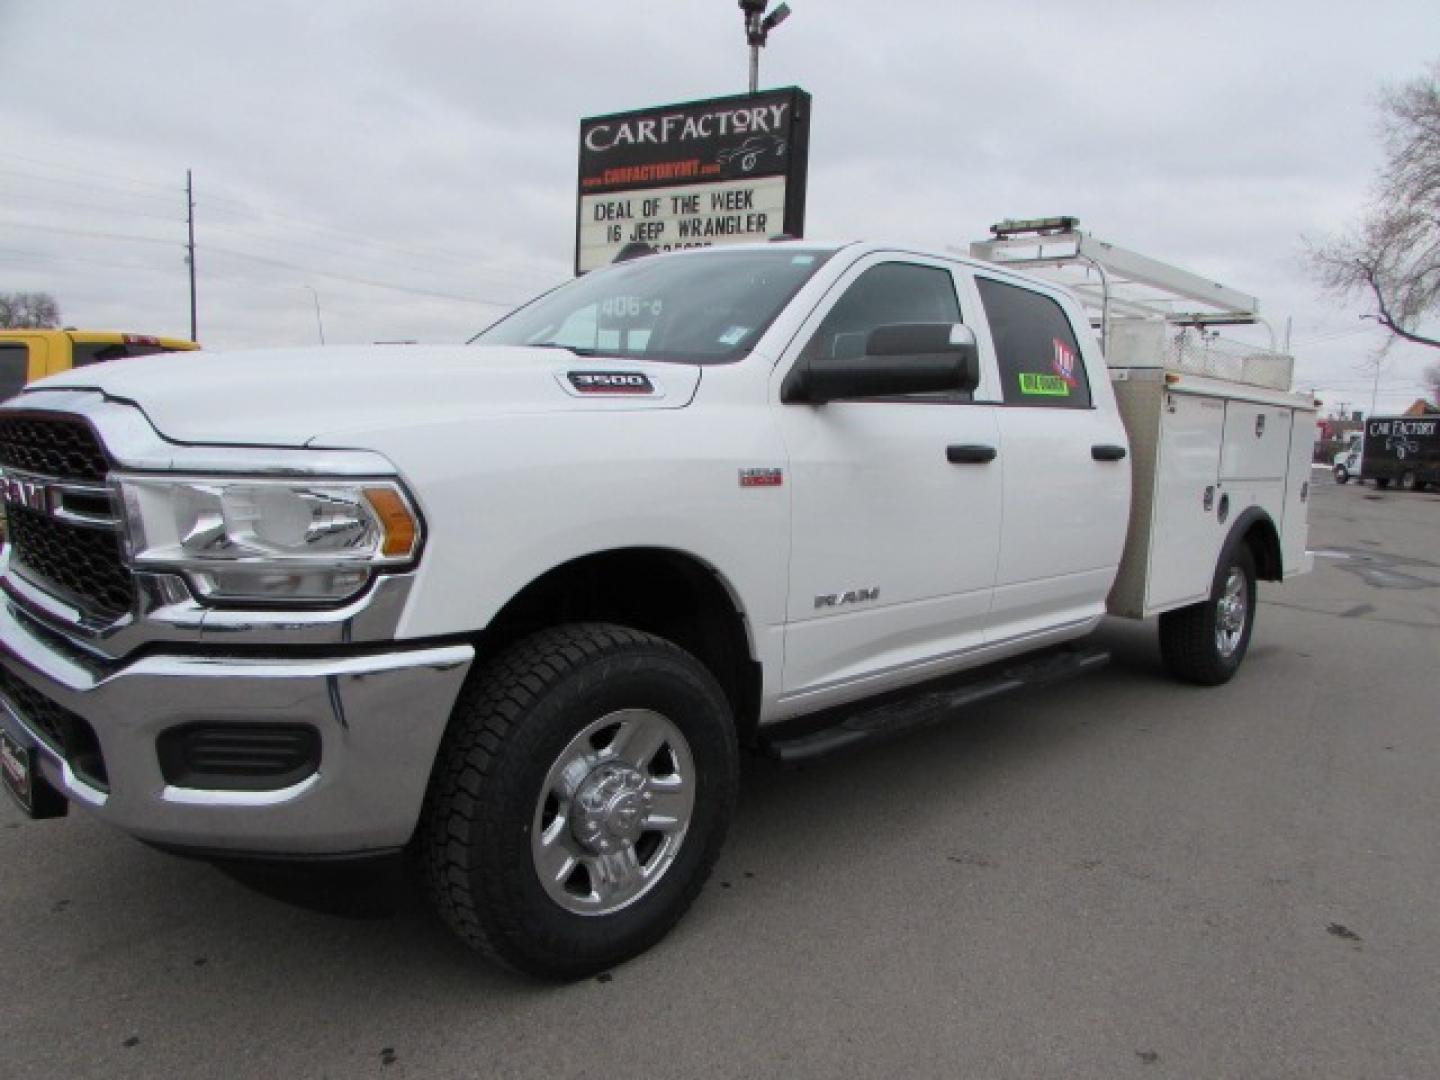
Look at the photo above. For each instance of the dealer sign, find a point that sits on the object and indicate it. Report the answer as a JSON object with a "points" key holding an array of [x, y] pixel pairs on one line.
{"points": [[724, 171]]}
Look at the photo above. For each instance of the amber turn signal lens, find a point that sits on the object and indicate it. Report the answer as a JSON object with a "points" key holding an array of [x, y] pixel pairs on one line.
{"points": [[398, 522]]}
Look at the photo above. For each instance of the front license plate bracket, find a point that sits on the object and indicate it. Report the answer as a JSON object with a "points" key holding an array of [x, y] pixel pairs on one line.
{"points": [[20, 772]]}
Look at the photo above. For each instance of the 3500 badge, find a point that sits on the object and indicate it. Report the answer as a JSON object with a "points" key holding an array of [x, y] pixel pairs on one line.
{"points": [[611, 382]]}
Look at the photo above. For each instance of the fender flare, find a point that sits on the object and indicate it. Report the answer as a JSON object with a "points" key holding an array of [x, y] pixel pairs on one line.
{"points": [[1268, 562]]}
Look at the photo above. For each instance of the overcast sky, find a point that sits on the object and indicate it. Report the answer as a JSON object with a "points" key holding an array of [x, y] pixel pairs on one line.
{"points": [[414, 163]]}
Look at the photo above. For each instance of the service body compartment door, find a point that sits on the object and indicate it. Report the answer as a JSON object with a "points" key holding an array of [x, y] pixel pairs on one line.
{"points": [[1187, 535], [1257, 442], [1295, 529]]}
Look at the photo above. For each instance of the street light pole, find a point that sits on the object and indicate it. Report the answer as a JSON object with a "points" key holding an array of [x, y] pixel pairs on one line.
{"points": [[318, 324], [757, 31], [190, 246]]}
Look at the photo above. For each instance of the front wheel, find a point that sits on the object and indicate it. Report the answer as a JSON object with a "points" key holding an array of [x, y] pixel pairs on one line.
{"points": [[1382, 482], [1407, 481], [579, 800], [1342, 474], [1205, 642]]}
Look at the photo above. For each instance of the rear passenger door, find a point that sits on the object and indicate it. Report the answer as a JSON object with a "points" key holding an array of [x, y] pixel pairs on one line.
{"points": [[1066, 493]]}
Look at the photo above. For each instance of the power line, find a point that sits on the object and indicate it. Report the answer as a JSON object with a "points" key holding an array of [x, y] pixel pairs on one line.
{"points": [[484, 301], [131, 237], [370, 240], [52, 201], [250, 234], [19, 254], [93, 233], [87, 171], [110, 185], [103, 189]]}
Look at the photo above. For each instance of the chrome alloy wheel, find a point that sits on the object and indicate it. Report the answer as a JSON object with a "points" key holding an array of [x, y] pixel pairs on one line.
{"points": [[1231, 610], [613, 812]]}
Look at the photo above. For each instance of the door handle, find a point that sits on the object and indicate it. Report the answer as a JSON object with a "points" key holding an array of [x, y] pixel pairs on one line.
{"points": [[969, 455], [1105, 452]]}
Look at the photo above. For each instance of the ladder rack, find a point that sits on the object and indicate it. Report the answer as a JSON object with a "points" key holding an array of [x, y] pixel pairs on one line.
{"points": [[1132, 300]]}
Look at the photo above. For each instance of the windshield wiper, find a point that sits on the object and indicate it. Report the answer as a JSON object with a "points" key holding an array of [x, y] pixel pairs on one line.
{"points": [[576, 349]]}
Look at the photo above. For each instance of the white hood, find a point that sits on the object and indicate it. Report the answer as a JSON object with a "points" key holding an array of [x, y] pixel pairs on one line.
{"points": [[290, 397]]}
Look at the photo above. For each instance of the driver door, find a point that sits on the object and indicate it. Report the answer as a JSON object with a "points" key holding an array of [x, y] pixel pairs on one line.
{"points": [[895, 507]]}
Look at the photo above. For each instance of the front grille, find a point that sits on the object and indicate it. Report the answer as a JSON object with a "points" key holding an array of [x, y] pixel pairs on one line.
{"points": [[84, 565], [67, 734], [52, 446], [87, 564]]}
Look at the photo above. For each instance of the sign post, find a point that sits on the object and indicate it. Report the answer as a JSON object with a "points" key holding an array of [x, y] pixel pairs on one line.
{"points": [[724, 171]]}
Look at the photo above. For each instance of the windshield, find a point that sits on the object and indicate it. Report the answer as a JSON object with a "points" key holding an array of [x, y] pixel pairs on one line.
{"points": [[698, 309]]}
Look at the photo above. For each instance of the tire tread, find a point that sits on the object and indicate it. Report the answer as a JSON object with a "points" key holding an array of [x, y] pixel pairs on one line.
{"points": [[486, 721]]}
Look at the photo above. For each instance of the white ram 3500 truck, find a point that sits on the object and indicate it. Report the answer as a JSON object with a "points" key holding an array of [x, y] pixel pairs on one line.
{"points": [[515, 606]]}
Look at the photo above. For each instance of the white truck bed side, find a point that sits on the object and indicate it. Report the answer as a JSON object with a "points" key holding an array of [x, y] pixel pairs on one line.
{"points": [[1204, 451]]}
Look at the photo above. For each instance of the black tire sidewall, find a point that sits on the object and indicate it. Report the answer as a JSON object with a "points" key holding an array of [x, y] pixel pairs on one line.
{"points": [[640, 677], [1342, 474]]}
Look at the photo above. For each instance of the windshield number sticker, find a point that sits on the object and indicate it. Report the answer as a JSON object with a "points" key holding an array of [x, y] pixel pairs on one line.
{"points": [[631, 307]]}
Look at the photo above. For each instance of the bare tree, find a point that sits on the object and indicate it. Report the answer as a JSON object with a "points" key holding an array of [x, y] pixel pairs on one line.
{"points": [[1393, 253], [28, 311], [1431, 375]]}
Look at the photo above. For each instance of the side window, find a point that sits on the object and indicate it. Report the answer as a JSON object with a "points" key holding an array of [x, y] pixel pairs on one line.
{"points": [[889, 293], [1036, 348], [14, 367]]}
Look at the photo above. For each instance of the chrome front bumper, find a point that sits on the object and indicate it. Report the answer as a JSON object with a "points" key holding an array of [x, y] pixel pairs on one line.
{"points": [[380, 717]]}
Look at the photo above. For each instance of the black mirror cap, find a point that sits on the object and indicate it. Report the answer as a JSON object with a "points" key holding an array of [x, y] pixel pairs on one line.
{"points": [[900, 359], [955, 340]]}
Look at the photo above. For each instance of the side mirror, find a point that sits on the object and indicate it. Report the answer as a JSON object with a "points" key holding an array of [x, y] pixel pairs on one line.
{"points": [[902, 358]]}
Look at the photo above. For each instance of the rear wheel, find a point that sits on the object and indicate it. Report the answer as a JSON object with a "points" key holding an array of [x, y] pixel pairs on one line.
{"points": [[579, 800], [1205, 643], [1382, 482], [1407, 480], [1342, 474]]}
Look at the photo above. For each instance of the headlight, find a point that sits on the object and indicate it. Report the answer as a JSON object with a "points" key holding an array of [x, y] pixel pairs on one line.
{"points": [[243, 539]]}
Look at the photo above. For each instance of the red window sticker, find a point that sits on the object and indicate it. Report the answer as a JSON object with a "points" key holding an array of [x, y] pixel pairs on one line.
{"points": [[1064, 362], [761, 477]]}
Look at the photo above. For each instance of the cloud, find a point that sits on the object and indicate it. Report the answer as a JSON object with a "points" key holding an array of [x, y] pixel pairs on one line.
{"points": [[413, 163]]}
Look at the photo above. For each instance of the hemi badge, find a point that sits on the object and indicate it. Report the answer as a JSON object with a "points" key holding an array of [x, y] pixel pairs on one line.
{"points": [[762, 477]]}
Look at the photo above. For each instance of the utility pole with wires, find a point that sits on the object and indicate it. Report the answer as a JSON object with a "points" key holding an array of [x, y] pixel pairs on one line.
{"points": [[190, 246], [319, 325]]}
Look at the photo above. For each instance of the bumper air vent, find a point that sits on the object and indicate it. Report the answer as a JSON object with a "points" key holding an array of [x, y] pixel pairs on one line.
{"points": [[238, 757]]}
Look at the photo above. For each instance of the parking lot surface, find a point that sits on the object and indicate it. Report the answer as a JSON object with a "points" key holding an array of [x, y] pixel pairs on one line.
{"points": [[1117, 877]]}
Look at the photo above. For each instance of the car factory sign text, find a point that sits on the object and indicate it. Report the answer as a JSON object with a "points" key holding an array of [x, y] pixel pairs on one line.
{"points": [[728, 170]]}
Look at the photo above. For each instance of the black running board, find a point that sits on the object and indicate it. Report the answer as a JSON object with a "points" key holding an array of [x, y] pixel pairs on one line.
{"points": [[924, 707]]}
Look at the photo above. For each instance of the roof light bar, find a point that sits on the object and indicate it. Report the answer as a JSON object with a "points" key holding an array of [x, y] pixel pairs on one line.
{"points": [[1041, 226]]}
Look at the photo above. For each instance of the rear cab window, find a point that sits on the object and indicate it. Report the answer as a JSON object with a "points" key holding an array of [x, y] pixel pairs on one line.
{"points": [[1035, 347]]}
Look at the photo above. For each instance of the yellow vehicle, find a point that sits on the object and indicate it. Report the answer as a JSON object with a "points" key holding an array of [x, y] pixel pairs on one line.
{"points": [[27, 355]]}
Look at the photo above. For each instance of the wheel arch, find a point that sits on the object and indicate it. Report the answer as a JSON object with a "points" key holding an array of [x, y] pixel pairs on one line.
{"points": [[663, 591], [1255, 529]]}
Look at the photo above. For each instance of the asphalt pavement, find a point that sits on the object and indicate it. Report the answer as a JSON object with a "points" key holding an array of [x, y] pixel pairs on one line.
{"points": [[1117, 877]]}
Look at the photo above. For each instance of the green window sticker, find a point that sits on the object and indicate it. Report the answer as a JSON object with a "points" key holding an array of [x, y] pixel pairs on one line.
{"points": [[1043, 385]]}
